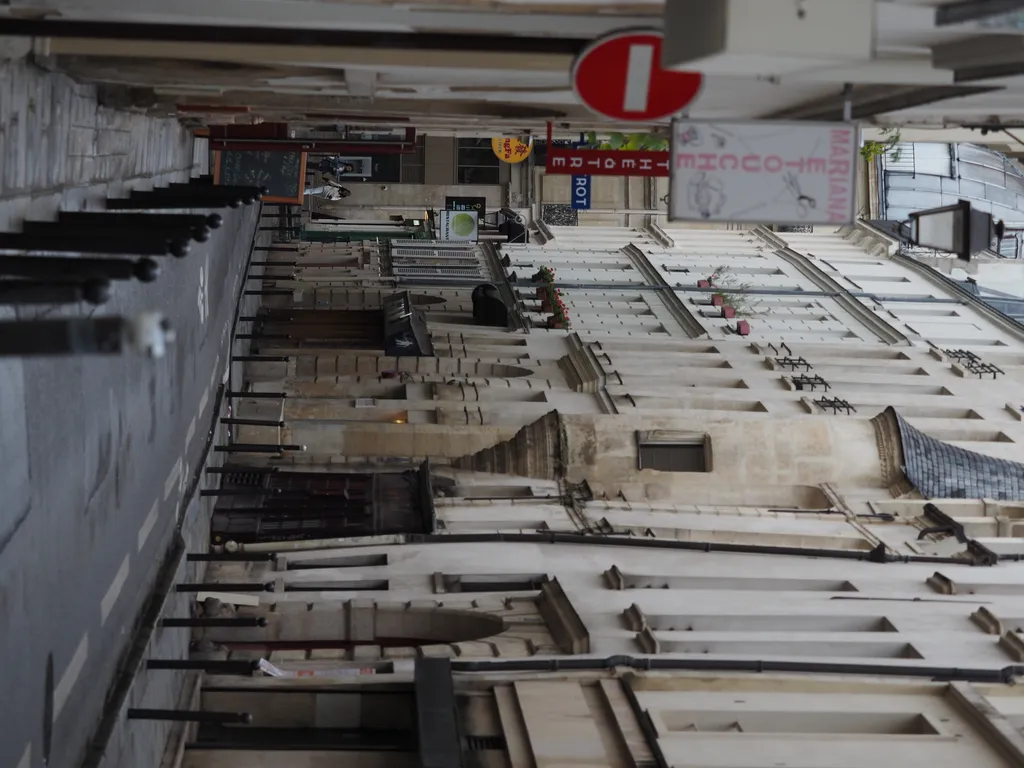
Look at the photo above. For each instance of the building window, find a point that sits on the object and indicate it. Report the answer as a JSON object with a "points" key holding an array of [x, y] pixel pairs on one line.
{"points": [[670, 451], [489, 582], [476, 161]]}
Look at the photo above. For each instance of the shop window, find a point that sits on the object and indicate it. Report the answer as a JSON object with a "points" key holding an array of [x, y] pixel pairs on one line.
{"points": [[477, 163], [669, 451]]}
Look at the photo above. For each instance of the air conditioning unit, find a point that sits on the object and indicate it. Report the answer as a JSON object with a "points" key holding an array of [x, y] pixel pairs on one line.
{"points": [[365, 402]]}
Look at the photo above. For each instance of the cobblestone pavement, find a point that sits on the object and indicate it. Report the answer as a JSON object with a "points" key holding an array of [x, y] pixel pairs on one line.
{"points": [[95, 453]]}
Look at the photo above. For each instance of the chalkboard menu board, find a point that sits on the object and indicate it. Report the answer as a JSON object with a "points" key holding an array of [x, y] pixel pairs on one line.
{"points": [[283, 172]]}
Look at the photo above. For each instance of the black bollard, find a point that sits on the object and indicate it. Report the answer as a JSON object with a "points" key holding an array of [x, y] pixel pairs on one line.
{"points": [[214, 666], [240, 492], [252, 422], [253, 190], [153, 203], [145, 270], [148, 334], [231, 557], [94, 228], [202, 621], [54, 291], [204, 180], [190, 716], [246, 194], [60, 240], [215, 586], [270, 292], [184, 220], [256, 448], [260, 359]]}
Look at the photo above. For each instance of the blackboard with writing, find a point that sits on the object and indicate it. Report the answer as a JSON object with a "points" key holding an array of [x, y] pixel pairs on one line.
{"points": [[282, 172]]}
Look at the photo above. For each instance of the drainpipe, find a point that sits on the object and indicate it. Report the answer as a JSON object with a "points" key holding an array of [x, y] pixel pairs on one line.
{"points": [[877, 555], [654, 663]]}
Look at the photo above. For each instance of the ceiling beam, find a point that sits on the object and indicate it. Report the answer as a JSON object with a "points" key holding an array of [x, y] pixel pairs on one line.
{"points": [[869, 101]]}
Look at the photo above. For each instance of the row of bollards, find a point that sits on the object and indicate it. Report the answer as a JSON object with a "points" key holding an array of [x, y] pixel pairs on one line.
{"points": [[132, 226]]}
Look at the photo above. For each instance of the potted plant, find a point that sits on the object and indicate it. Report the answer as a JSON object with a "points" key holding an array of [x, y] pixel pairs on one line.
{"points": [[544, 275], [729, 295], [559, 315]]}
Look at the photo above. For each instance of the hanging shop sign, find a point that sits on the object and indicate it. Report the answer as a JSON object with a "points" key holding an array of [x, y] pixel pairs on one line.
{"points": [[405, 331], [478, 204], [763, 172], [620, 77], [459, 225], [580, 193], [512, 150], [606, 162]]}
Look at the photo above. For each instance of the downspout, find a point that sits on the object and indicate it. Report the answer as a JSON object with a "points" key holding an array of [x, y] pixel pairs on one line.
{"points": [[877, 555], [759, 666]]}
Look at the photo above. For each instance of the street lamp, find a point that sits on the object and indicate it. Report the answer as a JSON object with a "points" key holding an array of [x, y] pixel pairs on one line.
{"points": [[955, 229]]}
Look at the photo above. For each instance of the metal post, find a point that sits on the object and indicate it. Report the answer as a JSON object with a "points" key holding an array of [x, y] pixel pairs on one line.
{"points": [[259, 359], [274, 264], [148, 333], [231, 557], [240, 492], [145, 270], [214, 586], [110, 242], [54, 292], [154, 203], [184, 220], [190, 716], [270, 292], [92, 228], [258, 395], [256, 448], [252, 422], [215, 667], [237, 621]]}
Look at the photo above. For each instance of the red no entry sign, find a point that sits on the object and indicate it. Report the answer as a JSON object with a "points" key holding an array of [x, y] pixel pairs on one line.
{"points": [[620, 77]]}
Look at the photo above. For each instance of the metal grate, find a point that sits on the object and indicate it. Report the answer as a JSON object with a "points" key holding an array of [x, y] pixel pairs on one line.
{"points": [[981, 369], [836, 405], [793, 364], [812, 383], [482, 743], [962, 355], [673, 457]]}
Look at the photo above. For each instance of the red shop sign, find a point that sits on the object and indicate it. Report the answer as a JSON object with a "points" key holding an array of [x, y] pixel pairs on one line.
{"points": [[607, 162]]}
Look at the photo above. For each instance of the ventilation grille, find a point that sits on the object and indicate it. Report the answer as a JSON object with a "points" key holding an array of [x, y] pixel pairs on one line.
{"points": [[482, 743]]}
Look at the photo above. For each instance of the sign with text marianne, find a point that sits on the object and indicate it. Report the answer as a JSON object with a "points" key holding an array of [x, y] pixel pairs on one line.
{"points": [[763, 172]]}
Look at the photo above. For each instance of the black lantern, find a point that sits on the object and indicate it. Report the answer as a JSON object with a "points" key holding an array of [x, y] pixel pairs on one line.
{"points": [[955, 229]]}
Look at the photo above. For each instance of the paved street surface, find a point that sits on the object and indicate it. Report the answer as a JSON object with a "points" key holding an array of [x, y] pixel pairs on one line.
{"points": [[96, 453]]}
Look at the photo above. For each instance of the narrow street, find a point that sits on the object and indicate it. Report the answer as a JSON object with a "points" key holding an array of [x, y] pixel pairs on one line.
{"points": [[96, 452]]}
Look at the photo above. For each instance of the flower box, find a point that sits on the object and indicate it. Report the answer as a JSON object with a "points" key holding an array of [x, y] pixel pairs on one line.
{"points": [[717, 300], [743, 328], [728, 312], [703, 283]]}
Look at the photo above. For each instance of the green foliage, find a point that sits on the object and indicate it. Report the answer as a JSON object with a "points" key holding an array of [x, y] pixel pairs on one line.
{"points": [[633, 142], [873, 150]]}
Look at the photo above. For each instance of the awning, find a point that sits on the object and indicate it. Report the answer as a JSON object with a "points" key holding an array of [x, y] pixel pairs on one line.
{"points": [[405, 328]]}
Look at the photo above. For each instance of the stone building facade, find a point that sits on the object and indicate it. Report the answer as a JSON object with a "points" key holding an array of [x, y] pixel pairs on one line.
{"points": [[758, 504]]}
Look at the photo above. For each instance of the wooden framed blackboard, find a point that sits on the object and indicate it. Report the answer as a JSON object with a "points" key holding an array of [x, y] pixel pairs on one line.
{"points": [[283, 172]]}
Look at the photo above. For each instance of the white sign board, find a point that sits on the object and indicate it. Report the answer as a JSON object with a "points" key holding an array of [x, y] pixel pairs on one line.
{"points": [[459, 225], [763, 172]]}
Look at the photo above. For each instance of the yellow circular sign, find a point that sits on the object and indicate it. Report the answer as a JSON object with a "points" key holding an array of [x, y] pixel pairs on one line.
{"points": [[512, 150]]}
